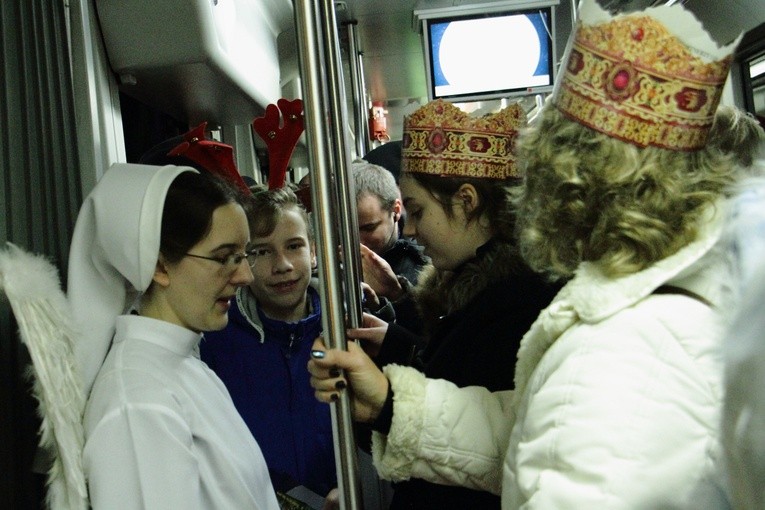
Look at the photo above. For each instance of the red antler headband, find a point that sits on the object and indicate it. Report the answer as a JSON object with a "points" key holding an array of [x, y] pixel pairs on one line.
{"points": [[215, 157], [280, 141]]}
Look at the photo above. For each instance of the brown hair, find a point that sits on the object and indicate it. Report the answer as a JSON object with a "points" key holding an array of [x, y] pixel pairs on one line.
{"points": [[265, 206]]}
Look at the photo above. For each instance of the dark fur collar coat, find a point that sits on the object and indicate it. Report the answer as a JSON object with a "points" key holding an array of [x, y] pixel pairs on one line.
{"points": [[440, 293], [474, 318]]}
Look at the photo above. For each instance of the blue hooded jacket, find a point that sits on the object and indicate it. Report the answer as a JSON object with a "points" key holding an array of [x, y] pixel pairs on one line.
{"points": [[263, 362]]}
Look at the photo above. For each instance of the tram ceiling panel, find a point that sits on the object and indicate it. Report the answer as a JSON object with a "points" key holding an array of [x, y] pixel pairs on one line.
{"points": [[392, 52], [212, 60]]}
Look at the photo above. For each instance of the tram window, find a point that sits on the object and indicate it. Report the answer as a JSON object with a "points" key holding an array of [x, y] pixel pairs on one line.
{"points": [[749, 75]]}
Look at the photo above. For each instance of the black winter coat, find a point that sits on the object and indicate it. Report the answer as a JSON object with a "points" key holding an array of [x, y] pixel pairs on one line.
{"points": [[476, 317]]}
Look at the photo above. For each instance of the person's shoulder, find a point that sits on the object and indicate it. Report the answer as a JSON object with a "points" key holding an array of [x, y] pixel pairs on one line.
{"points": [[686, 332]]}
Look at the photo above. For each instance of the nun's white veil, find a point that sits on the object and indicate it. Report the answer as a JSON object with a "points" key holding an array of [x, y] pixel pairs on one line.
{"points": [[114, 251]]}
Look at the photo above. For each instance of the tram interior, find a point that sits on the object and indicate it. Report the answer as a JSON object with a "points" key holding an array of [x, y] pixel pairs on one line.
{"points": [[228, 88], [95, 82], [254, 56]]}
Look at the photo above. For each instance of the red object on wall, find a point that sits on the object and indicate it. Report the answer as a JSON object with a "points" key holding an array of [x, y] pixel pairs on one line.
{"points": [[378, 122]]}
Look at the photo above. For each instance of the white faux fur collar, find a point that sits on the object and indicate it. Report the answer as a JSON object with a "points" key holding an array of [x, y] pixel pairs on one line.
{"points": [[595, 297], [591, 297]]}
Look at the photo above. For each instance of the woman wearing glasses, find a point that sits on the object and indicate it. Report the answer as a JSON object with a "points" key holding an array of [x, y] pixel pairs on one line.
{"points": [[160, 428]]}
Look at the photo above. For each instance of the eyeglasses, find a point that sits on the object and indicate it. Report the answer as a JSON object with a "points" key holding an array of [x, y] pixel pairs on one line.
{"points": [[229, 262]]}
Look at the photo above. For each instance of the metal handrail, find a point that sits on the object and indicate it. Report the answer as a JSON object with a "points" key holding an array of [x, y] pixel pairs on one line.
{"points": [[358, 90], [334, 211]]}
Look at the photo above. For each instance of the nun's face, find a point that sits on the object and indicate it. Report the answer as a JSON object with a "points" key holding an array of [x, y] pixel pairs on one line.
{"points": [[200, 291]]}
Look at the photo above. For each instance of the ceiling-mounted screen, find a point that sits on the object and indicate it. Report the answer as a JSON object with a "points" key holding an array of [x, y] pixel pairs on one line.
{"points": [[491, 55]]}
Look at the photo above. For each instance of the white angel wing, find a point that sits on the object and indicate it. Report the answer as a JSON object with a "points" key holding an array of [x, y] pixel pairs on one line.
{"points": [[32, 286]]}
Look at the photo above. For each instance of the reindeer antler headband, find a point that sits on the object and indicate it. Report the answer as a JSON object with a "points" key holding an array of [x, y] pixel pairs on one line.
{"points": [[215, 157], [280, 140]]}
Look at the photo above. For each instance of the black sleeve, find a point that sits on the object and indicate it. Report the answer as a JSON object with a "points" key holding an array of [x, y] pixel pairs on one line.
{"points": [[399, 346], [407, 314], [384, 420], [386, 311]]}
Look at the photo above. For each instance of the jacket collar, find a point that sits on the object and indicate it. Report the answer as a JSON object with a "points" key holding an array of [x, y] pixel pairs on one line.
{"points": [[444, 292], [595, 297], [591, 297], [247, 310]]}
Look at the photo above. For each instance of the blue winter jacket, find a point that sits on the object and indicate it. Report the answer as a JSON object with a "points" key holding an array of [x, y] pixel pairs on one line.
{"points": [[263, 362]]}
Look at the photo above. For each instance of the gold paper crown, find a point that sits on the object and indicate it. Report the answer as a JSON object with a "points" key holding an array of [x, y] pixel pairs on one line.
{"points": [[632, 79], [441, 139]]}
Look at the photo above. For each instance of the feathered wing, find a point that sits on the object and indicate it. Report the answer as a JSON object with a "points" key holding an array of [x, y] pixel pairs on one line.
{"points": [[33, 288]]}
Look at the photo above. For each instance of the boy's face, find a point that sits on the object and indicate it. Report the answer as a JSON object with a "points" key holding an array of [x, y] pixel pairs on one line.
{"points": [[282, 268]]}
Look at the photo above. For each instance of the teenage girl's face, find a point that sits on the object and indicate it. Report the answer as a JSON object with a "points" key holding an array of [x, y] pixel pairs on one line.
{"points": [[199, 292], [282, 268], [447, 241]]}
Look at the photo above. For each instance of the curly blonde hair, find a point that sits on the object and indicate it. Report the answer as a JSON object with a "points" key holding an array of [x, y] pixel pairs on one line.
{"points": [[589, 197], [739, 133]]}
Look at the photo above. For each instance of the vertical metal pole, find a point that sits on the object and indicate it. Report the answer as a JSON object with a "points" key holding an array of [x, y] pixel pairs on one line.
{"points": [[325, 116], [364, 103], [346, 205], [358, 90]]}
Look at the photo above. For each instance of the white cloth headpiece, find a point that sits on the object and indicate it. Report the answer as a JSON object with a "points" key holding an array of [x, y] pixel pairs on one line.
{"points": [[114, 251]]}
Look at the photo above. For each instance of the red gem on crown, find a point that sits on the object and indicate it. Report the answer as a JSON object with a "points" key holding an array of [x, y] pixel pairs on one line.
{"points": [[478, 144], [437, 141], [621, 80]]}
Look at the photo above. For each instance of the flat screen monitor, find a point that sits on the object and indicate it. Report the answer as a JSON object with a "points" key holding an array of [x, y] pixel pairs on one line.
{"points": [[488, 56]]}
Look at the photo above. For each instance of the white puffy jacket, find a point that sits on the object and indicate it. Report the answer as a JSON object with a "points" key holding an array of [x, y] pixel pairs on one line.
{"points": [[617, 400]]}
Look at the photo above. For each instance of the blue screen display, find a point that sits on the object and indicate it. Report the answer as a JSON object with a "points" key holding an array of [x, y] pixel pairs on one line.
{"points": [[491, 55]]}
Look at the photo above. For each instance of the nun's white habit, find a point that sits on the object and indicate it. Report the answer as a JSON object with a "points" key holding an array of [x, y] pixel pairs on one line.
{"points": [[161, 430]]}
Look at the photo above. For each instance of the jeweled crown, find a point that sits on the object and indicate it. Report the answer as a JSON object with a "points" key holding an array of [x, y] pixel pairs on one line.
{"points": [[441, 139], [637, 78]]}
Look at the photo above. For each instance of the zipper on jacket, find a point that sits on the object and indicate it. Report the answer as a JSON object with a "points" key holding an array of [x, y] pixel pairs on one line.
{"points": [[289, 347]]}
